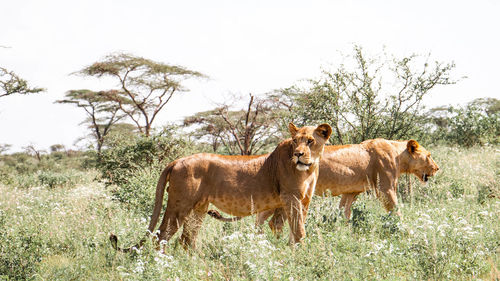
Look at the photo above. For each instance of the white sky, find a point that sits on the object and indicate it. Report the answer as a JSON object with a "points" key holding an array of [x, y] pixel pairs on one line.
{"points": [[244, 46]]}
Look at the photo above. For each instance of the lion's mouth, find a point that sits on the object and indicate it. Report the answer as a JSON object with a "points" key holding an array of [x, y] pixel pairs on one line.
{"points": [[303, 164], [425, 177]]}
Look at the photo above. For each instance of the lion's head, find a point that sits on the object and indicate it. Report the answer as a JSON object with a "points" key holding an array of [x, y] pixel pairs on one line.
{"points": [[308, 143], [420, 162]]}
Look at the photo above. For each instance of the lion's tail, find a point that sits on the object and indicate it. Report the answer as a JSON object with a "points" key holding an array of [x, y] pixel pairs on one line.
{"points": [[160, 192], [217, 215]]}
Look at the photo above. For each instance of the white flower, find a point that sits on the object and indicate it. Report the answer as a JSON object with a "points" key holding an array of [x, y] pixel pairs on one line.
{"points": [[484, 213], [139, 267]]}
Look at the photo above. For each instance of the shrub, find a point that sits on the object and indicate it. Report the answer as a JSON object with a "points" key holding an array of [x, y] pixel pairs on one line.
{"points": [[52, 179], [477, 123], [121, 161], [471, 127], [138, 192], [133, 166], [20, 250]]}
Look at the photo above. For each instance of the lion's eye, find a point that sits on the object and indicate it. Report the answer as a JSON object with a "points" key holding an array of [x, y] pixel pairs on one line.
{"points": [[310, 141], [295, 141]]}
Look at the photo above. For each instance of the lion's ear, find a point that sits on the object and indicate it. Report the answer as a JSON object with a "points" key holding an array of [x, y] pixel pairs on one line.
{"points": [[412, 146], [324, 130], [293, 129]]}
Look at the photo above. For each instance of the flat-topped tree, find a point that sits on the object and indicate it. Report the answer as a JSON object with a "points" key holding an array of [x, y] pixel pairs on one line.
{"points": [[247, 131], [145, 86], [11, 83], [102, 112]]}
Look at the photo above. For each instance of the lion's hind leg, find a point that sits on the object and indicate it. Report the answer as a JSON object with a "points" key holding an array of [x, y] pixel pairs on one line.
{"points": [[173, 219], [193, 224], [261, 218]]}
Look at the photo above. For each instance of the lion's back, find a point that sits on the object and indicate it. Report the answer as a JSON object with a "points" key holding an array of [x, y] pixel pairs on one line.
{"points": [[352, 168], [215, 170]]}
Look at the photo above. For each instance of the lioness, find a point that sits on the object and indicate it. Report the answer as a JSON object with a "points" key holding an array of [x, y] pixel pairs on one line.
{"points": [[348, 170], [240, 185]]}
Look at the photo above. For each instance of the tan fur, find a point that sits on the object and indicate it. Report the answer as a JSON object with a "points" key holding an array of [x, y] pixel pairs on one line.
{"points": [[241, 185], [348, 170]]}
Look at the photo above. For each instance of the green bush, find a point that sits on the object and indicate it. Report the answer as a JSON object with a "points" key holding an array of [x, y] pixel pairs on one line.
{"points": [[20, 250], [470, 126], [53, 180], [477, 123], [122, 159], [139, 190], [133, 166], [26, 180], [6, 175], [52, 170]]}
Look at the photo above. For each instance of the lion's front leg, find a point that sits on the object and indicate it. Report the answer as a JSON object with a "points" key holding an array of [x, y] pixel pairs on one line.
{"points": [[277, 222], [388, 195], [306, 201], [294, 211]]}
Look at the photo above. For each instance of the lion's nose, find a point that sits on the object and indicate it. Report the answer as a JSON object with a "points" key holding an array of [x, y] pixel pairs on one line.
{"points": [[298, 154]]}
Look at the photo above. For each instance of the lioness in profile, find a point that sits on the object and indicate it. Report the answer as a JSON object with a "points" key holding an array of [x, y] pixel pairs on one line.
{"points": [[240, 185], [348, 170]]}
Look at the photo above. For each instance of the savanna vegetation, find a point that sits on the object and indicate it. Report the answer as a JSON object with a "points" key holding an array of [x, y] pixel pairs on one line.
{"points": [[59, 205]]}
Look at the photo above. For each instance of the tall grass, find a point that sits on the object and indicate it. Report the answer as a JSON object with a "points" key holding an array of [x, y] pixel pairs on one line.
{"points": [[450, 229]]}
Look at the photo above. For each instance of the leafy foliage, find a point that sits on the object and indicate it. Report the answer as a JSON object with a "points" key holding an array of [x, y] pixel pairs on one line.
{"points": [[56, 169], [11, 83], [124, 158], [378, 97], [133, 166], [102, 112], [144, 86], [477, 123], [248, 131]]}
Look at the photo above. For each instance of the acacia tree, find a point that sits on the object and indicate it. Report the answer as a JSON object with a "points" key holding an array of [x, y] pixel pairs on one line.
{"points": [[32, 150], [376, 96], [246, 131], [4, 147], [210, 127], [102, 112], [145, 86], [11, 83]]}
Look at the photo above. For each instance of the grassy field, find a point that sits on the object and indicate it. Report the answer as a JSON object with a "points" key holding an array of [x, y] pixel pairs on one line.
{"points": [[450, 229]]}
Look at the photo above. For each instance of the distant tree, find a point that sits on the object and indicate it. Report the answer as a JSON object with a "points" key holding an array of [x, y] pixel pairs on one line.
{"points": [[57, 148], [4, 148], [145, 86], [439, 116], [246, 131], [35, 152], [211, 127], [476, 123], [102, 112], [120, 134], [376, 96], [490, 106], [11, 83]]}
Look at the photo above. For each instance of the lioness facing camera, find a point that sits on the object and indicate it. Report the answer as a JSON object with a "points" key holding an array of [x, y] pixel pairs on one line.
{"points": [[240, 185]]}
